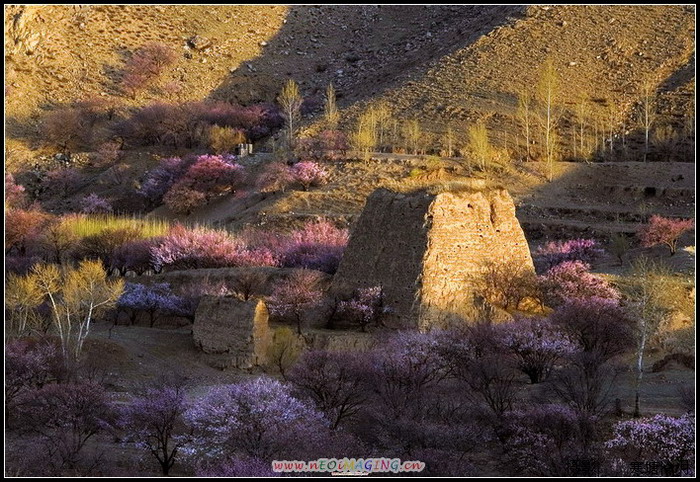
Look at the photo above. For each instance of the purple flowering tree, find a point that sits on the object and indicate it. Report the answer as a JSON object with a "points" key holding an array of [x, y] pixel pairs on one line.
{"points": [[542, 440], [661, 230], [333, 381], [476, 357], [658, 438], [555, 252], [64, 417], [292, 297], [571, 280], [94, 204], [598, 326], [405, 369], [29, 366], [318, 245], [309, 174], [366, 306], [135, 256], [154, 421], [150, 299], [14, 193], [257, 418], [536, 344]]}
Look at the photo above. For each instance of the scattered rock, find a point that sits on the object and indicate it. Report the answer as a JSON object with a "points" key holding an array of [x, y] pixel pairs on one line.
{"points": [[263, 44], [198, 42]]}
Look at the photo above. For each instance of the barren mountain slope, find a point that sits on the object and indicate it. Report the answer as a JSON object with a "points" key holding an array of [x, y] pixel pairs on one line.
{"points": [[56, 54], [434, 63], [601, 53]]}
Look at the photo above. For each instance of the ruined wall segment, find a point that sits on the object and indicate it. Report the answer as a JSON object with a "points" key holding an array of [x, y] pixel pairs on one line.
{"points": [[231, 332], [429, 249], [386, 248], [468, 231]]}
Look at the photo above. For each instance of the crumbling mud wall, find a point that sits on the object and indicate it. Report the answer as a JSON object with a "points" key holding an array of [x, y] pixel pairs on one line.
{"points": [[468, 231], [231, 332], [429, 249]]}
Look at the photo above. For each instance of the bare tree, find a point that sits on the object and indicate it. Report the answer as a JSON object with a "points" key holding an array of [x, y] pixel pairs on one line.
{"points": [[330, 110], [525, 115], [383, 118], [548, 91], [644, 287], [647, 113], [479, 144], [284, 350], [412, 134], [612, 118], [364, 137], [448, 140], [290, 100], [75, 296]]}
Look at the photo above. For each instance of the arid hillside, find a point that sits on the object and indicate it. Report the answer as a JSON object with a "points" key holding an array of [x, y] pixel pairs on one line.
{"points": [[441, 63]]}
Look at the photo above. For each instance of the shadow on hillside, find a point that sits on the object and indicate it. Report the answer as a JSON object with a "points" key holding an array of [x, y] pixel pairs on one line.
{"points": [[377, 48], [602, 199]]}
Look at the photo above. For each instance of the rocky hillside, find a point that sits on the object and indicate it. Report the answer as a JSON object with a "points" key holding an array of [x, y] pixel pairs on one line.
{"points": [[435, 63]]}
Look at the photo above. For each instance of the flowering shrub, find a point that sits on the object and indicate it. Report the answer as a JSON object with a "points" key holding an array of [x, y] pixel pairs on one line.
{"points": [[257, 418], [182, 199], [135, 256], [536, 344], [206, 178], [329, 144], [365, 307], [94, 204], [159, 180], [318, 245], [145, 65], [14, 193], [598, 326], [555, 252], [276, 176], [188, 124], [292, 297], [72, 127], [666, 231], [572, 279], [184, 248], [658, 438], [23, 229], [309, 174], [334, 143]]}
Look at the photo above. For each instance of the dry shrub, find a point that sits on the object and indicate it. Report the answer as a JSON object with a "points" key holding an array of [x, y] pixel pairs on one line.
{"points": [[507, 284], [225, 139]]}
